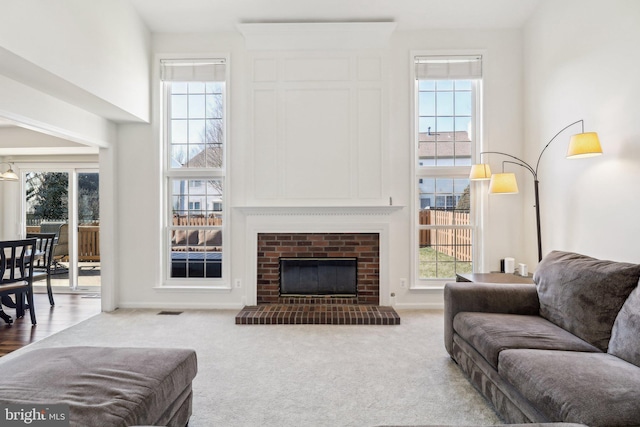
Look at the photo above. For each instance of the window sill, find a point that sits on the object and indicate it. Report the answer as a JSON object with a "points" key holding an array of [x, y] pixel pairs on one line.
{"points": [[193, 288]]}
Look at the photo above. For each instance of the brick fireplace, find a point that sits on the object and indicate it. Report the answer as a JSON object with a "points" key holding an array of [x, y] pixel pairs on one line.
{"points": [[363, 246], [316, 232]]}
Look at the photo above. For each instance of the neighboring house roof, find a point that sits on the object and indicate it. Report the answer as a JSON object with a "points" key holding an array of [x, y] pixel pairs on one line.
{"points": [[446, 144], [211, 156]]}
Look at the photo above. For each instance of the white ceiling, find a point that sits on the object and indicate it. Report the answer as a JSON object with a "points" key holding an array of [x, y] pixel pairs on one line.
{"points": [[189, 16]]}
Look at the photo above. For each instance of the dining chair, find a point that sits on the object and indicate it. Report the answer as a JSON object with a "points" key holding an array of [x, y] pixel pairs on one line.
{"points": [[43, 264], [16, 275], [61, 247]]}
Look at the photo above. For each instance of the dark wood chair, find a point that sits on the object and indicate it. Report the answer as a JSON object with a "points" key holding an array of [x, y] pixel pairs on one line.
{"points": [[43, 265], [16, 275]]}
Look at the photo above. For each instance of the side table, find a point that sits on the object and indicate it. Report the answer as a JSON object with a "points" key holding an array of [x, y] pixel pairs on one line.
{"points": [[493, 278]]}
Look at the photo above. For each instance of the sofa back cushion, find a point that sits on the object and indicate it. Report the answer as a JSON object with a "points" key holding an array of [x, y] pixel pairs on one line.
{"points": [[625, 336], [584, 295]]}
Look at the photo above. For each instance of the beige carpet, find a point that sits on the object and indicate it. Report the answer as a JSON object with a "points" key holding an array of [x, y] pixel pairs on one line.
{"points": [[302, 375]]}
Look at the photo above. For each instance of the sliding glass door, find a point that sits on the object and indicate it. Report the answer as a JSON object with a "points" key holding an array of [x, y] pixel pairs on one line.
{"points": [[88, 241], [65, 201]]}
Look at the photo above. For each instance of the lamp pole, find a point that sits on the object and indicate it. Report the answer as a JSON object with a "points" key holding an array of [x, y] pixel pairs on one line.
{"points": [[536, 183]]}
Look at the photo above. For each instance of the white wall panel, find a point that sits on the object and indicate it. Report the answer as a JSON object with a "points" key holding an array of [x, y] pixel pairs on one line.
{"points": [[370, 144], [265, 135], [369, 69], [328, 124], [265, 70], [316, 69], [317, 144]]}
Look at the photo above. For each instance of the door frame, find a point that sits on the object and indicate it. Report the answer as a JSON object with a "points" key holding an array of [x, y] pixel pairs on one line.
{"points": [[73, 169]]}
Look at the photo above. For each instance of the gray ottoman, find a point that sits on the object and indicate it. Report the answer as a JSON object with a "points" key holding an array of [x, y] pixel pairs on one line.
{"points": [[105, 386]]}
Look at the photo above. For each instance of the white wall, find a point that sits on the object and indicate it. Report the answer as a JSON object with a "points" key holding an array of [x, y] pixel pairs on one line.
{"points": [[71, 69], [138, 236], [581, 62], [94, 53], [578, 60]]}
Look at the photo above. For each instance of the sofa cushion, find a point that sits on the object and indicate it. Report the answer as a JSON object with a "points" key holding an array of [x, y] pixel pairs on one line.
{"points": [[103, 386], [596, 389], [584, 295], [625, 336], [490, 333]]}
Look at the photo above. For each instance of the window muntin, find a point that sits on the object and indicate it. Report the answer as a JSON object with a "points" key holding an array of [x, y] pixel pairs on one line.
{"points": [[194, 105], [444, 122], [447, 114], [196, 228], [196, 124], [445, 234], [195, 202]]}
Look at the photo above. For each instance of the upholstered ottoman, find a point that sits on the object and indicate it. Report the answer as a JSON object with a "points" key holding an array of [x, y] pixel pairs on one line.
{"points": [[104, 386]]}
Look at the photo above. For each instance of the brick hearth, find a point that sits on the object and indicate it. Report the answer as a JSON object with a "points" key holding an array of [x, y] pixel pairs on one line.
{"points": [[324, 314]]}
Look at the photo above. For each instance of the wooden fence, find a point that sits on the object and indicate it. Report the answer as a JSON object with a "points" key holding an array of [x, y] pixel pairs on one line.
{"points": [[455, 242], [88, 242]]}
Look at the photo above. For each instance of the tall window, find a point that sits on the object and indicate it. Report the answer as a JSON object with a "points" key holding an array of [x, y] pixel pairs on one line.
{"points": [[447, 93], [194, 132]]}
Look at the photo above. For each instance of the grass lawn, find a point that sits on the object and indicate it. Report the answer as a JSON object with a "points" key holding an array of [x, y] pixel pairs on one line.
{"points": [[436, 265]]}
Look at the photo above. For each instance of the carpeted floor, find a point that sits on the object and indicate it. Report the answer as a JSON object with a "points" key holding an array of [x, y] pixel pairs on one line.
{"points": [[302, 375]]}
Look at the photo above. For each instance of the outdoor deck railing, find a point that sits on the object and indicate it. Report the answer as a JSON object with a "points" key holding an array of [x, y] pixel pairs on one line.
{"points": [[195, 220], [88, 241]]}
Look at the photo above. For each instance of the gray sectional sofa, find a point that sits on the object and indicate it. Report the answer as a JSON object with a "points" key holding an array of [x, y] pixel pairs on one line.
{"points": [[566, 349]]}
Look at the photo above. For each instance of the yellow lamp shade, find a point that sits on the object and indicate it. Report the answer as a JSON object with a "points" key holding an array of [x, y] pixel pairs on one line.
{"points": [[503, 183], [584, 145], [480, 172]]}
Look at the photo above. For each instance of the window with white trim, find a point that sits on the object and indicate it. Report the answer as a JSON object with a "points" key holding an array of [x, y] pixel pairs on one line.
{"points": [[447, 111], [194, 95]]}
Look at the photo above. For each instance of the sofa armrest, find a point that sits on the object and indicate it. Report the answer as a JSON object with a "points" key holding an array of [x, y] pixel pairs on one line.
{"points": [[487, 298]]}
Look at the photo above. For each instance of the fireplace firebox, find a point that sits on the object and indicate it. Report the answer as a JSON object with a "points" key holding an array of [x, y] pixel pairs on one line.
{"points": [[318, 276]]}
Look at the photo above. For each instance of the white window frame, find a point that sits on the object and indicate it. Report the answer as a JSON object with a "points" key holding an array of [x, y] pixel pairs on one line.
{"points": [[477, 203], [202, 174]]}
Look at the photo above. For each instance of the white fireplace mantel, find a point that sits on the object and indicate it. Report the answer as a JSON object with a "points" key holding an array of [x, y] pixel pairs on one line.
{"points": [[317, 210]]}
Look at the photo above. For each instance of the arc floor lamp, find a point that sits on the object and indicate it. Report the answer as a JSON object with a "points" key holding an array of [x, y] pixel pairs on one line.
{"points": [[581, 145]]}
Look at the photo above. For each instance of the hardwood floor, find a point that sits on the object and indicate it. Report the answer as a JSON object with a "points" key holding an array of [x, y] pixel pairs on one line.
{"points": [[69, 310]]}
